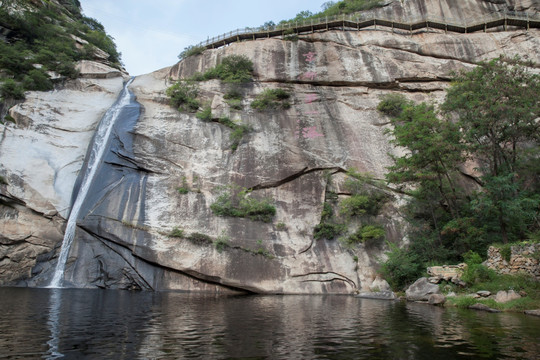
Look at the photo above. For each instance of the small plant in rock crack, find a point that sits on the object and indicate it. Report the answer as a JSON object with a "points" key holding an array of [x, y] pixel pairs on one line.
{"points": [[177, 233], [184, 189]]}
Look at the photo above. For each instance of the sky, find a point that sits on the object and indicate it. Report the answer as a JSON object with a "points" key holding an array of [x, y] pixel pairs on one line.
{"points": [[151, 33]]}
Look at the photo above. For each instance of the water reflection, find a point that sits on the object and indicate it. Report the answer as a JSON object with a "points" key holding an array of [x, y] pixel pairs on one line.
{"points": [[105, 324]]}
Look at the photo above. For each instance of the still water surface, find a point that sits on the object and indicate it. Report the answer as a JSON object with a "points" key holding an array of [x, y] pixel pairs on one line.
{"points": [[101, 324]]}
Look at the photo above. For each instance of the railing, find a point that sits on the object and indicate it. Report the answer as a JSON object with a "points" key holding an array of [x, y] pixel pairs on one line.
{"points": [[360, 20]]}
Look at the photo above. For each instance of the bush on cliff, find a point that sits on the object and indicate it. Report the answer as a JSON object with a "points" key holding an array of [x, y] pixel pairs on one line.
{"points": [[235, 202], [272, 99], [183, 96]]}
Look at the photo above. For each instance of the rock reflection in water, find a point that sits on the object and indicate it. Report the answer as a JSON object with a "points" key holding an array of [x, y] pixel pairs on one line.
{"points": [[144, 325]]}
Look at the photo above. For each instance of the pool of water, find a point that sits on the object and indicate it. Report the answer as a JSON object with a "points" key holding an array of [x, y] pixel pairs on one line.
{"points": [[105, 324]]}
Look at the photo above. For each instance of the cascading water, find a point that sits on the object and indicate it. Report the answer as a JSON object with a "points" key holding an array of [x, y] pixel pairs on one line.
{"points": [[95, 158]]}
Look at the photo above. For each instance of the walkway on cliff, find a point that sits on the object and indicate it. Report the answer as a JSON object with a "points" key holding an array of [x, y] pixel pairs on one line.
{"points": [[359, 21]]}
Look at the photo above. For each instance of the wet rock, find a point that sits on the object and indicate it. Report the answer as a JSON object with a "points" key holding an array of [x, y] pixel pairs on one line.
{"points": [[483, 307], [532, 312], [436, 299], [421, 290]]}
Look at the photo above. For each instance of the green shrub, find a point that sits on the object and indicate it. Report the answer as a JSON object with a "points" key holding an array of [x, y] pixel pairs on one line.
{"points": [[236, 203], [205, 114], [37, 80], [183, 96], [200, 238], [3, 180], [177, 233], [222, 242], [237, 135], [11, 90], [393, 104], [328, 231], [506, 252], [234, 98], [271, 99], [366, 233], [281, 226], [477, 273], [402, 267], [191, 50], [231, 69]]}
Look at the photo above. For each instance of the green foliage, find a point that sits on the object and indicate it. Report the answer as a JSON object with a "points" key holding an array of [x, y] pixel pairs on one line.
{"points": [[11, 90], [205, 114], [402, 267], [366, 198], [272, 99], [237, 135], [183, 96], [231, 69], [3, 180], [42, 36], [332, 8], [506, 251], [234, 98], [184, 189], [191, 50], [235, 202], [490, 118], [37, 80], [366, 233], [199, 238], [328, 231], [354, 206], [497, 105], [393, 105], [281, 226], [177, 233], [222, 242]]}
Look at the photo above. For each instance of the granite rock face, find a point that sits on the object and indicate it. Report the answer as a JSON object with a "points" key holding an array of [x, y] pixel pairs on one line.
{"points": [[297, 158]]}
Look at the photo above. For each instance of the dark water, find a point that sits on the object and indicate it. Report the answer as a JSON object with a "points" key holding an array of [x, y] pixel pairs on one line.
{"points": [[97, 324]]}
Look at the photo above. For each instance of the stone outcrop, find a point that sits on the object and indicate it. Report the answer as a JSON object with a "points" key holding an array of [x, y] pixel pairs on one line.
{"points": [[523, 259], [445, 273], [506, 296], [297, 158], [421, 290]]}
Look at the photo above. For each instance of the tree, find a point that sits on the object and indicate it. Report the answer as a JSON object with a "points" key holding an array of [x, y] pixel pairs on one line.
{"points": [[497, 108]]}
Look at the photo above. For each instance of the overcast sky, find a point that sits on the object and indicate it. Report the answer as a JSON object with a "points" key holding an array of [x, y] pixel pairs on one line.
{"points": [[151, 33]]}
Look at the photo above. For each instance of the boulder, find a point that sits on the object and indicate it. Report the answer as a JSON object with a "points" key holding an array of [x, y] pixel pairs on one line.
{"points": [[436, 299], [506, 296], [484, 293], [532, 312], [421, 289]]}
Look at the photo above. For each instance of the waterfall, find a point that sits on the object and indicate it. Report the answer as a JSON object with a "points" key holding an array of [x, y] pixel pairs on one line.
{"points": [[95, 158]]}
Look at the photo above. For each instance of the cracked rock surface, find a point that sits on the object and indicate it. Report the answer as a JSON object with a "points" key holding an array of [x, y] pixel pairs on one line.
{"points": [[296, 157]]}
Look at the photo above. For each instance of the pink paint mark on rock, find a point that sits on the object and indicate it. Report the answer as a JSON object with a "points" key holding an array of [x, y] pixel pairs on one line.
{"points": [[310, 56], [311, 132], [310, 98], [310, 75]]}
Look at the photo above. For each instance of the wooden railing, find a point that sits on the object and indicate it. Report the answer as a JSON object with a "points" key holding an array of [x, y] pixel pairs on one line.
{"points": [[359, 21]]}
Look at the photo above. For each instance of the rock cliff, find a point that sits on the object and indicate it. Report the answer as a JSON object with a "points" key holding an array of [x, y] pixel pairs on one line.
{"points": [[297, 158]]}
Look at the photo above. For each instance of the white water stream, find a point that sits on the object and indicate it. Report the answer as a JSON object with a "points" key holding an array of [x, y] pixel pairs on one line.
{"points": [[101, 139]]}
